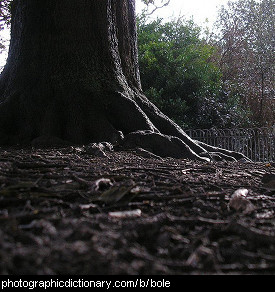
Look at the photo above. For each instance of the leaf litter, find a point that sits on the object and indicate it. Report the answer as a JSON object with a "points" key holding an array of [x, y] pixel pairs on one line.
{"points": [[73, 211]]}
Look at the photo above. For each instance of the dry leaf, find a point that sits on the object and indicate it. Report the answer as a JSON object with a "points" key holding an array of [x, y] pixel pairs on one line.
{"points": [[121, 194], [268, 181]]}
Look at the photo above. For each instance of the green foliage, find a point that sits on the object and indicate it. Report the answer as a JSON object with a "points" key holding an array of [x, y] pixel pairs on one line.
{"points": [[180, 76]]}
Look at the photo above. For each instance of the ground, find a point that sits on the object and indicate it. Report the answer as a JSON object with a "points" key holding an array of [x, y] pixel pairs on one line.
{"points": [[70, 211]]}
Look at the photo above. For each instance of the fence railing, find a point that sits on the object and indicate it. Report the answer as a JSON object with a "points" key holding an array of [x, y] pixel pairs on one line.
{"points": [[256, 143]]}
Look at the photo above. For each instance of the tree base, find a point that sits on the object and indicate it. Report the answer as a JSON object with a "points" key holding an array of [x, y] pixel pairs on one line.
{"points": [[126, 122], [78, 81]]}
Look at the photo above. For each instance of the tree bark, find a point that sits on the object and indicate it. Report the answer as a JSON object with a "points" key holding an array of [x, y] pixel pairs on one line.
{"points": [[72, 74]]}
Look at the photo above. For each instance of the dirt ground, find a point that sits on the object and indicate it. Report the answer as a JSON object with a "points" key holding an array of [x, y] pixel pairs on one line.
{"points": [[65, 211]]}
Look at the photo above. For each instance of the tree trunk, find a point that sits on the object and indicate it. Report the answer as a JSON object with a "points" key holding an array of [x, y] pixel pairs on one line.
{"points": [[72, 73]]}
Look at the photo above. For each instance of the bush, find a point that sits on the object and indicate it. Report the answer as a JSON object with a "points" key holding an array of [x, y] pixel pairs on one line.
{"points": [[179, 74]]}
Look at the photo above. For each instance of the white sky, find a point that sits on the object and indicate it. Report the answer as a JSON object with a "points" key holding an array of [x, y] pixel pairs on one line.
{"points": [[4, 34], [200, 10]]}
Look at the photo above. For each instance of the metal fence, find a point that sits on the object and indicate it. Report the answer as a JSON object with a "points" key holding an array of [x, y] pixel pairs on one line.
{"points": [[256, 143]]}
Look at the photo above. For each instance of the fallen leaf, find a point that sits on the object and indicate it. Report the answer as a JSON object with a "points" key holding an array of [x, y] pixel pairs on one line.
{"points": [[121, 194], [65, 187], [268, 181], [201, 255], [23, 186]]}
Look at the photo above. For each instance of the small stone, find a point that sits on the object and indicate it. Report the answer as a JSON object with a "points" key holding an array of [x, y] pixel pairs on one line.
{"points": [[240, 202], [101, 184], [125, 214], [99, 149]]}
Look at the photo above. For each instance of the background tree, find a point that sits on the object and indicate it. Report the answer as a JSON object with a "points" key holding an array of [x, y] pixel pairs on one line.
{"points": [[153, 5], [5, 11], [180, 74], [247, 55], [4, 20]]}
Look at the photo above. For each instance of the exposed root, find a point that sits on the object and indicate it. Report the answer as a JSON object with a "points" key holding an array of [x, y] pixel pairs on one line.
{"points": [[223, 152], [161, 145], [169, 146], [130, 121]]}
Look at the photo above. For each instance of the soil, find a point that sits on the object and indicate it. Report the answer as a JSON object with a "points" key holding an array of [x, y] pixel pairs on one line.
{"points": [[66, 211]]}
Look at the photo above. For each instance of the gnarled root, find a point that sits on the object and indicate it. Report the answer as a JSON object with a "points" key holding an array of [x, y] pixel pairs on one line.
{"points": [[223, 153], [129, 121], [170, 146], [161, 145]]}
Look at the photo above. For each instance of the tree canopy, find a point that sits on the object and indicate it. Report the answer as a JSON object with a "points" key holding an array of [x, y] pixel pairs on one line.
{"points": [[4, 19]]}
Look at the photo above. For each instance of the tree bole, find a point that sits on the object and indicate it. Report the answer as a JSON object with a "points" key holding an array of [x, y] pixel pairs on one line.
{"points": [[72, 74]]}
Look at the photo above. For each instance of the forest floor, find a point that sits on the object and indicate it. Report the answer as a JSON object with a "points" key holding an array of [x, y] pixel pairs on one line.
{"points": [[64, 211]]}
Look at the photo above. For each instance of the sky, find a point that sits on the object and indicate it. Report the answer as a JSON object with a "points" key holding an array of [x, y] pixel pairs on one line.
{"points": [[200, 10]]}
